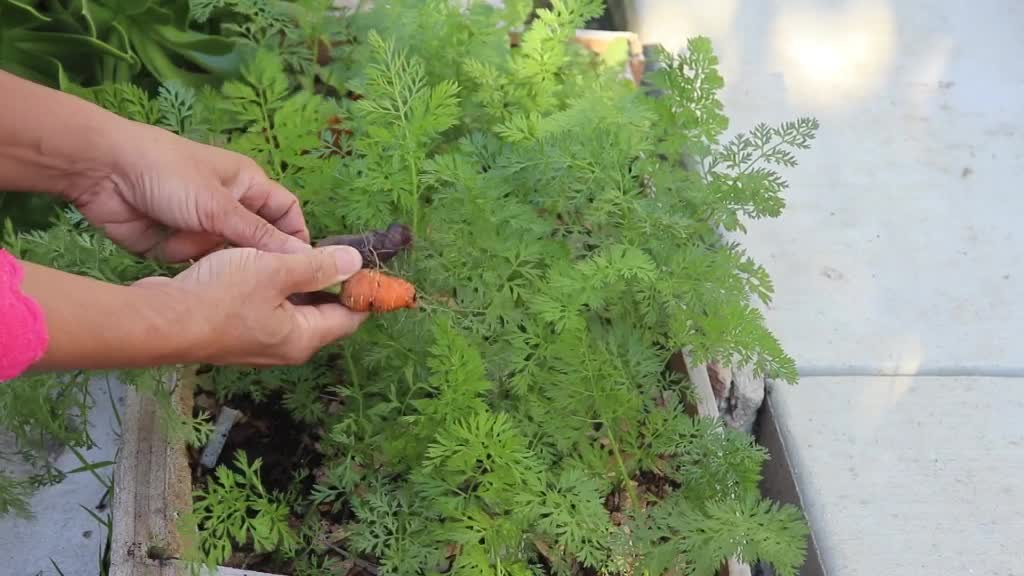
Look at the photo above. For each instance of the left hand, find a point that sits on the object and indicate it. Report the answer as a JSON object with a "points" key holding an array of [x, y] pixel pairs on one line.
{"points": [[233, 308], [173, 199]]}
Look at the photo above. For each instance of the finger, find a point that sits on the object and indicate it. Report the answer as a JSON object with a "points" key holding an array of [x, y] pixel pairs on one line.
{"points": [[278, 206], [152, 281], [326, 323], [317, 269], [246, 229], [141, 236], [185, 246]]}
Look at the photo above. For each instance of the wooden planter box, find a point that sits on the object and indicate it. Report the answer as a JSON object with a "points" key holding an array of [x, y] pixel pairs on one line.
{"points": [[154, 486], [153, 478]]}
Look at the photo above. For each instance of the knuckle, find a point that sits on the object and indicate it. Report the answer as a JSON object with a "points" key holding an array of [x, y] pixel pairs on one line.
{"points": [[249, 166], [212, 216], [262, 231]]}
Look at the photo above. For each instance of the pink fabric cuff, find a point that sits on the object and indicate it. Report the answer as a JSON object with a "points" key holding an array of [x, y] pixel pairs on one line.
{"points": [[23, 335]]}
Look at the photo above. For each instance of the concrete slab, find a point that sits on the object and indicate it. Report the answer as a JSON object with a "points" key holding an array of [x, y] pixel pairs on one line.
{"points": [[61, 530], [909, 475], [898, 250]]}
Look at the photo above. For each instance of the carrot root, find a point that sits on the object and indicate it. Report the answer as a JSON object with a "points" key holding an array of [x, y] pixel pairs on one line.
{"points": [[376, 246], [374, 291]]}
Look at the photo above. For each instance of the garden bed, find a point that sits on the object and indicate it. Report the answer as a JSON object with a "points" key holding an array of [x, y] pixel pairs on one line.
{"points": [[527, 417], [154, 477]]}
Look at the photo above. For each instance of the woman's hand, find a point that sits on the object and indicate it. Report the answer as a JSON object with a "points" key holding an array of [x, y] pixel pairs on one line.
{"points": [[173, 199], [167, 197], [240, 299], [153, 192], [231, 307]]}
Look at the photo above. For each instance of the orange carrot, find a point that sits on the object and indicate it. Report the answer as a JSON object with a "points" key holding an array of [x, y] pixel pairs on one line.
{"points": [[374, 291]]}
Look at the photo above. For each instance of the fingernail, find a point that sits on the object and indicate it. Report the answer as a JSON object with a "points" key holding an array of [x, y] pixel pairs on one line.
{"points": [[347, 259]]}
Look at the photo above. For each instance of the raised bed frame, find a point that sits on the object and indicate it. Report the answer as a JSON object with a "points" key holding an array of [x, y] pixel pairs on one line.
{"points": [[153, 484]]}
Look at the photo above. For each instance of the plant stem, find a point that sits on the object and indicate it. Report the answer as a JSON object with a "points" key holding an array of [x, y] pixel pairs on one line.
{"points": [[269, 136], [355, 380], [634, 501], [415, 193]]}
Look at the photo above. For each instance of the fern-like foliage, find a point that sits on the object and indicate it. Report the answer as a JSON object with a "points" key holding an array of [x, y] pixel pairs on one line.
{"points": [[14, 496], [569, 242], [235, 509], [694, 538]]}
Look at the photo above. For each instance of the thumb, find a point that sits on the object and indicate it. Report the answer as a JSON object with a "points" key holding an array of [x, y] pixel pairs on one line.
{"points": [[245, 229], [316, 269], [151, 281]]}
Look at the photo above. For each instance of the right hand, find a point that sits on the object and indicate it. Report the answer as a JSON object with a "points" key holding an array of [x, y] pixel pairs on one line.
{"points": [[238, 312], [173, 199]]}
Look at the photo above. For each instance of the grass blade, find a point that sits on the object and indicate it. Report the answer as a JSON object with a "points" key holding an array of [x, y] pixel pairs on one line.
{"points": [[105, 522], [90, 467]]}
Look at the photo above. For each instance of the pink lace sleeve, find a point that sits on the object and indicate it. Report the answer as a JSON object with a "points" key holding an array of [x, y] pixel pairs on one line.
{"points": [[23, 336]]}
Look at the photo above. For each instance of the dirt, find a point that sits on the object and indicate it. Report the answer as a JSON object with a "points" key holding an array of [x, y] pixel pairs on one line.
{"points": [[267, 431]]}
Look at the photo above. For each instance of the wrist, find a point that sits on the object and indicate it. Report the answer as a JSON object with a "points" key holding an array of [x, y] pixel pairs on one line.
{"points": [[96, 325], [95, 161], [56, 143], [170, 318]]}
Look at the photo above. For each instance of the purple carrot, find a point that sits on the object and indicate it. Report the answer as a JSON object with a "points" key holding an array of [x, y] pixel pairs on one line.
{"points": [[376, 246]]}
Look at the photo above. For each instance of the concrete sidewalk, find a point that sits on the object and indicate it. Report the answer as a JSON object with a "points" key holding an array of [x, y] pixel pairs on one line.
{"points": [[909, 475], [897, 251], [897, 255], [61, 530]]}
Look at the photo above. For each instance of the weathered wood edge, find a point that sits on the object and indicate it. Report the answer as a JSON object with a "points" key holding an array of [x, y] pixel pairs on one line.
{"points": [[707, 407], [779, 477], [152, 485]]}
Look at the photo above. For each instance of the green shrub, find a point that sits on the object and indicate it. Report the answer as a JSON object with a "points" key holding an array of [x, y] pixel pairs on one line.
{"points": [[524, 419]]}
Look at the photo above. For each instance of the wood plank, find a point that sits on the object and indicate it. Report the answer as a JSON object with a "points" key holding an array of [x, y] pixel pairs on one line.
{"points": [[123, 502], [737, 568], [152, 487], [707, 406]]}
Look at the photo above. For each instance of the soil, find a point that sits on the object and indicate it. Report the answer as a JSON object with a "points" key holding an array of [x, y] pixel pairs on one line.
{"points": [[287, 448], [266, 430]]}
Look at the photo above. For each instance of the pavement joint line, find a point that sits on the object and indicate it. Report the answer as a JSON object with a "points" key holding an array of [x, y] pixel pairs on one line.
{"points": [[951, 372]]}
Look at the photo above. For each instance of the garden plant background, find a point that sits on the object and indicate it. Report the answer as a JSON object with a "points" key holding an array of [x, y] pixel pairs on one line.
{"points": [[568, 243]]}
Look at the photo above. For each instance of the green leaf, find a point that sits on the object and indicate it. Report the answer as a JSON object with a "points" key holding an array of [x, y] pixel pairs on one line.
{"points": [[616, 53], [105, 522], [60, 45], [15, 15], [200, 10], [36, 68], [90, 467], [123, 8], [157, 61], [82, 9], [214, 54]]}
